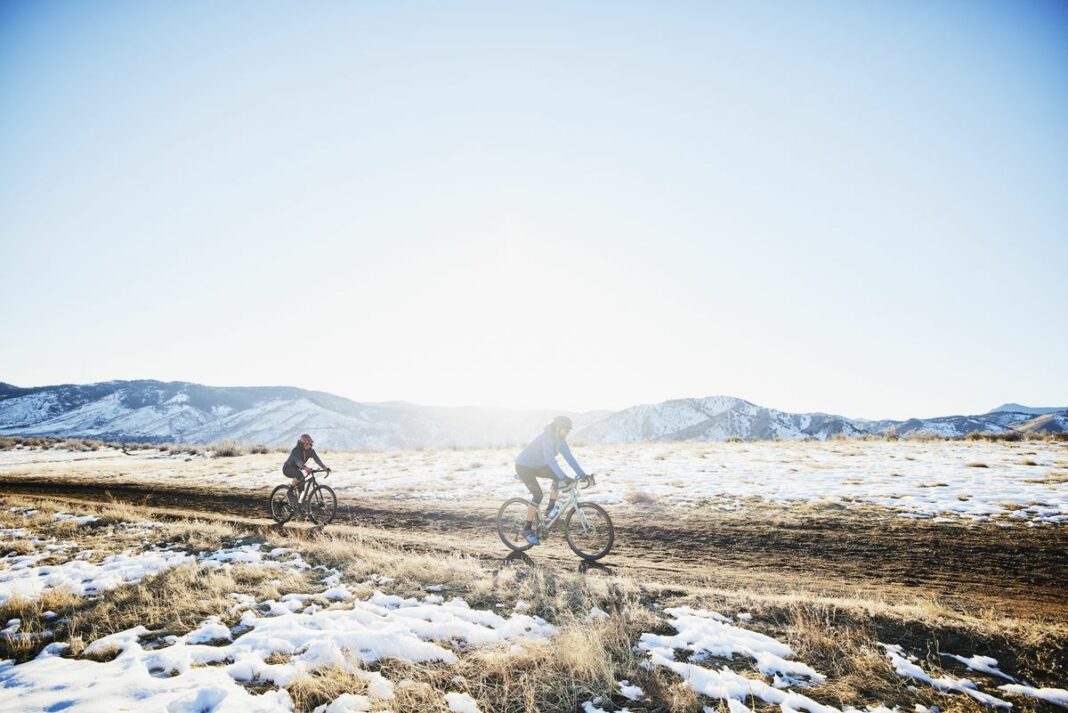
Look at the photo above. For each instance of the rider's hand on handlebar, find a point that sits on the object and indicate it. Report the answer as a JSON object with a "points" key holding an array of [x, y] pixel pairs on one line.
{"points": [[307, 470]]}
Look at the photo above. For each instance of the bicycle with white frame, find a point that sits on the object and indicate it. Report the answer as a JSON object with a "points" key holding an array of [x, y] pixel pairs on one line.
{"points": [[587, 527]]}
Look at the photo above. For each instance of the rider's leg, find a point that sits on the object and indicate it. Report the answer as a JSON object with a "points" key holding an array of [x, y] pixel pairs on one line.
{"points": [[296, 478], [553, 495], [531, 481], [527, 475]]}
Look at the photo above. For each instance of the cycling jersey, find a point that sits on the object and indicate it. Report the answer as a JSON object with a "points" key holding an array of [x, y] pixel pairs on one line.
{"points": [[542, 452], [298, 457]]}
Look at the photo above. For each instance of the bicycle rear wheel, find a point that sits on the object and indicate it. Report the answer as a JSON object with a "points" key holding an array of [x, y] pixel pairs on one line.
{"points": [[589, 531], [510, 520], [280, 510], [322, 505]]}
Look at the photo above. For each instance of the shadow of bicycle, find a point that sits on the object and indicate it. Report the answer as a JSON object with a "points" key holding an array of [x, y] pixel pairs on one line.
{"points": [[586, 566], [518, 558], [292, 530]]}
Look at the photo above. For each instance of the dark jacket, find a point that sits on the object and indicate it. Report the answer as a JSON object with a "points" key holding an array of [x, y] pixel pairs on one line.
{"points": [[298, 457]]}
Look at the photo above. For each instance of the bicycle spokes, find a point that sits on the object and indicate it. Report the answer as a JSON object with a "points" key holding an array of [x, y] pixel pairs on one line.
{"points": [[589, 531]]}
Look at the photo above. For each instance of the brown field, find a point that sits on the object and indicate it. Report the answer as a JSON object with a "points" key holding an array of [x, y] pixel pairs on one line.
{"points": [[828, 580]]}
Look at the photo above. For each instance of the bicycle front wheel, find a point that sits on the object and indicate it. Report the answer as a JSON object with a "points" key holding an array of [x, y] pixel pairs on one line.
{"points": [[280, 510], [322, 505], [510, 520], [589, 531]]}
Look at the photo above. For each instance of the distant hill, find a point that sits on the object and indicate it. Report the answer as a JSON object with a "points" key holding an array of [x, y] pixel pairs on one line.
{"points": [[184, 412], [1033, 410], [952, 426]]}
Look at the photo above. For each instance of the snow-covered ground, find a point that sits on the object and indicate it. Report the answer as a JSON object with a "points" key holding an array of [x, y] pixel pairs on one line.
{"points": [[216, 662], [210, 667], [703, 635], [64, 564], [975, 480], [250, 663]]}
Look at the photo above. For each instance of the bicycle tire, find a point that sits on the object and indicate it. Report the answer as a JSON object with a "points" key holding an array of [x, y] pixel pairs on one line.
{"points": [[507, 523], [607, 521], [279, 507], [322, 505]]}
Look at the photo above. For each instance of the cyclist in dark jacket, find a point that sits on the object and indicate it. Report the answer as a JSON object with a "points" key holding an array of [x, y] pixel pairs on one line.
{"points": [[295, 467]]}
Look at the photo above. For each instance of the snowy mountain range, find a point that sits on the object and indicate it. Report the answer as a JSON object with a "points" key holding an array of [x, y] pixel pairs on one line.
{"points": [[183, 412], [715, 418]]}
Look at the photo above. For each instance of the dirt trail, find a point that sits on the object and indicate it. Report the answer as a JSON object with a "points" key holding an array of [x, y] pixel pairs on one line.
{"points": [[864, 552]]}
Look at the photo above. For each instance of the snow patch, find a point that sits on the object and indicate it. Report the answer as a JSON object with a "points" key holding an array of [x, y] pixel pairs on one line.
{"points": [[706, 634], [1058, 696], [461, 703], [908, 669]]}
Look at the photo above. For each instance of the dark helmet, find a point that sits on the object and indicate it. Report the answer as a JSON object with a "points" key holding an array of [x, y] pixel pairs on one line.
{"points": [[563, 422], [306, 440]]}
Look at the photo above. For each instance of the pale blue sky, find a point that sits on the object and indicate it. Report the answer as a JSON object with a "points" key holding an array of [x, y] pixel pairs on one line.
{"points": [[857, 208]]}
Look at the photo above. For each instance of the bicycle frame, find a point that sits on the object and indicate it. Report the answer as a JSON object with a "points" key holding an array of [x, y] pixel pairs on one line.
{"points": [[309, 486], [570, 503]]}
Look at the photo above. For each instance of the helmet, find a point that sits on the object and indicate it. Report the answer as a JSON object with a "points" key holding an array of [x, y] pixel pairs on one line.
{"points": [[306, 440], [562, 422]]}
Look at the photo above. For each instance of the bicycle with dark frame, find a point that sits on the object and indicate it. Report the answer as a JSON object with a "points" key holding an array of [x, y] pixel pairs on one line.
{"points": [[317, 501]]}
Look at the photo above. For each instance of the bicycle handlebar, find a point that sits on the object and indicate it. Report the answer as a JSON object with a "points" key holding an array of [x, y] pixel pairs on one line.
{"points": [[581, 483]]}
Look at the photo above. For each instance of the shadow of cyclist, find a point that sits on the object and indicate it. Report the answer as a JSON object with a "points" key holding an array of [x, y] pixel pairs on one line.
{"points": [[586, 566], [303, 533]]}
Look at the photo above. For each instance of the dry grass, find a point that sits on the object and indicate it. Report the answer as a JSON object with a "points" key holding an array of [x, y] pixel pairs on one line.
{"points": [[839, 637], [8, 443], [582, 662], [32, 634], [177, 600], [186, 448], [324, 685], [1052, 478], [107, 535], [78, 445], [1006, 436]]}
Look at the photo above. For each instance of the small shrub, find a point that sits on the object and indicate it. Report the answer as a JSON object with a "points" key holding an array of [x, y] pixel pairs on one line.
{"points": [[228, 449], [1008, 436], [640, 497]]}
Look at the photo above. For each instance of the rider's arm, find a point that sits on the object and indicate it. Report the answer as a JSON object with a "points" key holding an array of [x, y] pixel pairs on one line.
{"points": [[565, 451], [550, 458], [315, 456]]}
